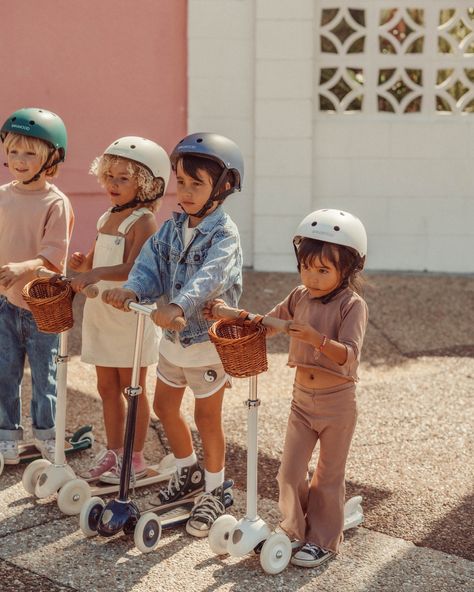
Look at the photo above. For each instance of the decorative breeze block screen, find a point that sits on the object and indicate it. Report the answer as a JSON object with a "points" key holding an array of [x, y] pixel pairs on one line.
{"points": [[381, 59]]}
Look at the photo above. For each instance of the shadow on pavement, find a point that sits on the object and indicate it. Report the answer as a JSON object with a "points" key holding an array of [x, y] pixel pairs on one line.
{"points": [[454, 534]]}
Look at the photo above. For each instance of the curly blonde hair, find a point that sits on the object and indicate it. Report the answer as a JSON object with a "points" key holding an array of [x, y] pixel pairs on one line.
{"points": [[42, 149], [148, 186]]}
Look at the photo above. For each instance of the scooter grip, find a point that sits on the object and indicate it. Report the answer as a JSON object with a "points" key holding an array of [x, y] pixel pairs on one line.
{"points": [[223, 311], [91, 291], [178, 324], [277, 324], [43, 272]]}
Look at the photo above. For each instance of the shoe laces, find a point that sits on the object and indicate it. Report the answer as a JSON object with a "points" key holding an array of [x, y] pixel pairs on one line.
{"points": [[174, 486], [312, 549], [207, 507]]}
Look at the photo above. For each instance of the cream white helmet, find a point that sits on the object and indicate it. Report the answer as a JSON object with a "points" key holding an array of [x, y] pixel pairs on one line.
{"points": [[334, 226], [145, 152]]}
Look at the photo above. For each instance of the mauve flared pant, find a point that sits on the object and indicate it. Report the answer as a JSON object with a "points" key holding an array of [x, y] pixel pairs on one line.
{"points": [[314, 511]]}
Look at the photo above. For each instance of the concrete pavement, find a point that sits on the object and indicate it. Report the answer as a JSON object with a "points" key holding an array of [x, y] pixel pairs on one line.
{"points": [[411, 460]]}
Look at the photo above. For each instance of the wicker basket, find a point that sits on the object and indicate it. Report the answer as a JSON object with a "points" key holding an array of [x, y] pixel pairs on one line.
{"points": [[50, 302], [241, 345]]}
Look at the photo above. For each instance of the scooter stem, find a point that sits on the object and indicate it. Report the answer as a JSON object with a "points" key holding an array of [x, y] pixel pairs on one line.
{"points": [[132, 394], [252, 448], [61, 381]]}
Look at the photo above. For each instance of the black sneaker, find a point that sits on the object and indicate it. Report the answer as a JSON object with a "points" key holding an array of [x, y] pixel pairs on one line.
{"points": [[208, 507], [310, 555], [181, 486]]}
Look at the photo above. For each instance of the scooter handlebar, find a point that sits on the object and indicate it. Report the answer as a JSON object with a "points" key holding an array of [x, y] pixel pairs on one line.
{"points": [[178, 323], [91, 291], [224, 311]]}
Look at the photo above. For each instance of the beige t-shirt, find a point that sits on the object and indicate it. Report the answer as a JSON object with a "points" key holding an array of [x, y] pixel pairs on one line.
{"points": [[33, 224], [344, 319]]}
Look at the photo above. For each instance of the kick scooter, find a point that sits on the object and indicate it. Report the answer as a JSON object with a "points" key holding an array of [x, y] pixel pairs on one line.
{"points": [[80, 440], [251, 533], [50, 301], [121, 513]]}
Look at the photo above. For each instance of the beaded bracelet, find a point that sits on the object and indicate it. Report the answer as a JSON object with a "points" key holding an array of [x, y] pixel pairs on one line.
{"points": [[319, 350]]}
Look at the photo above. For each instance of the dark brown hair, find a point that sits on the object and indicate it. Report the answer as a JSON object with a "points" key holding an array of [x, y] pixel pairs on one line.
{"points": [[191, 164], [346, 260]]}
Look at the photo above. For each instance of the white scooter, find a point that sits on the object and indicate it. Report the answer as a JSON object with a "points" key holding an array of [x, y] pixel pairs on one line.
{"points": [[252, 533], [41, 477]]}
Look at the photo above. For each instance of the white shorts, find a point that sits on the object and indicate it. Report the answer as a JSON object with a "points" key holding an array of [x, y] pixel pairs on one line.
{"points": [[204, 381]]}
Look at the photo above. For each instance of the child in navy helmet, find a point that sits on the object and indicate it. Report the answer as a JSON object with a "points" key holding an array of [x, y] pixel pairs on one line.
{"points": [[36, 221], [196, 256], [327, 319]]}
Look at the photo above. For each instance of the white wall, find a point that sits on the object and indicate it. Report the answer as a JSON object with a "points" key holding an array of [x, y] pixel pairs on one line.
{"points": [[221, 90], [254, 74]]}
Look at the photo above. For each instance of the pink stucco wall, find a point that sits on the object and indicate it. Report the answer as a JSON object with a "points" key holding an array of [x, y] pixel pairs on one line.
{"points": [[109, 68]]}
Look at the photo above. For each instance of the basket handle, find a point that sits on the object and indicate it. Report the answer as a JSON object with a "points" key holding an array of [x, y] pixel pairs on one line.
{"points": [[252, 320]]}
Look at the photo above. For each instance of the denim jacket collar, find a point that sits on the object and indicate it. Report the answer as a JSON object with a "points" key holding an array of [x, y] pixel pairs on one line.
{"points": [[206, 225]]}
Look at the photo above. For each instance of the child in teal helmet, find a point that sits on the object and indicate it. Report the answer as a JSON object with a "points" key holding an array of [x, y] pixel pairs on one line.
{"points": [[36, 221]]}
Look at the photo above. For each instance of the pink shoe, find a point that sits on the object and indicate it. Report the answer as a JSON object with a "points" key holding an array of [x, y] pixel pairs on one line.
{"points": [[139, 470], [105, 461]]}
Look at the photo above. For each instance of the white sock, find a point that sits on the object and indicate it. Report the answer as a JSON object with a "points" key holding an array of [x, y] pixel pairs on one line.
{"points": [[213, 480], [188, 461]]}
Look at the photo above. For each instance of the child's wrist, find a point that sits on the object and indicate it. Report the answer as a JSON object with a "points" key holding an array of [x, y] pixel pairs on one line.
{"points": [[318, 349]]}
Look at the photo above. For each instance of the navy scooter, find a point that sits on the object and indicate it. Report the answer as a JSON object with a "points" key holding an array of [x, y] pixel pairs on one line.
{"points": [[122, 513]]}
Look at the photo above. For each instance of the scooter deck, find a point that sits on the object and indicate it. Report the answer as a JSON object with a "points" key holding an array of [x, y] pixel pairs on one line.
{"points": [[28, 451], [155, 474]]}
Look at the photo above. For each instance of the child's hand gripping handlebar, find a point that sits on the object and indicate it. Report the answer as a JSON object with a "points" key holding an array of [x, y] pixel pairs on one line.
{"points": [[219, 309], [176, 324], [91, 291]]}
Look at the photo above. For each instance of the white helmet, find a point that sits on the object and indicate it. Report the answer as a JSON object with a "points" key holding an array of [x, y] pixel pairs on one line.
{"points": [[145, 152], [334, 226]]}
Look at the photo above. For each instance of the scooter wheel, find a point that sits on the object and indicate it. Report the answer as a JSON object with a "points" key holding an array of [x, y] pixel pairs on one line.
{"points": [[32, 473], [147, 533], [90, 515], [72, 496], [2, 463], [276, 553], [220, 532]]}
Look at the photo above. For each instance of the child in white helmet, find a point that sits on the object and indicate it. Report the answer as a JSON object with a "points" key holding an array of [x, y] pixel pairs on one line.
{"points": [[134, 172], [194, 256], [36, 221], [327, 322]]}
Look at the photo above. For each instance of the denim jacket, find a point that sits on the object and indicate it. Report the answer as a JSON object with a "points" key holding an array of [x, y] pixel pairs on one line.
{"points": [[209, 267]]}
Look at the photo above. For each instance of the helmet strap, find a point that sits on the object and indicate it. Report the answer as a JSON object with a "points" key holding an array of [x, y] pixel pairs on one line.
{"points": [[132, 203], [215, 195]]}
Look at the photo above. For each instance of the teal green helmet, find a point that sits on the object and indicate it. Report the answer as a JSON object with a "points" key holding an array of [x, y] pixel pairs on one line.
{"points": [[38, 123]]}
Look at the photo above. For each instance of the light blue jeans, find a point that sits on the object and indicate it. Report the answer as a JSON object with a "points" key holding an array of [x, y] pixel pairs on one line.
{"points": [[19, 336]]}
